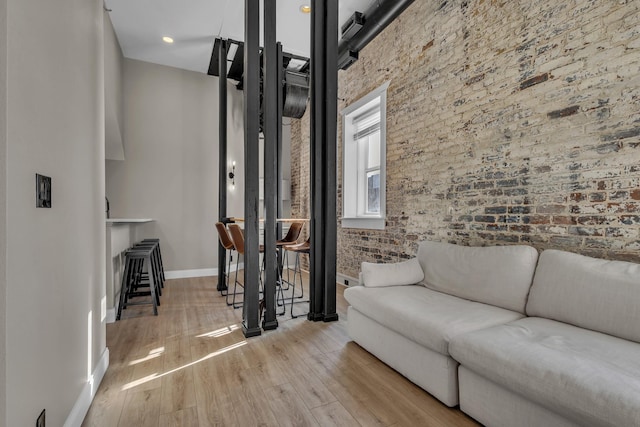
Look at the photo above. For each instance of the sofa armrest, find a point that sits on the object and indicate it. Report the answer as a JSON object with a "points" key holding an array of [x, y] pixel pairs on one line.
{"points": [[393, 274]]}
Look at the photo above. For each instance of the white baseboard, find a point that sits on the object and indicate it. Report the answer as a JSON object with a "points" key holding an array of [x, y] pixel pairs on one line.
{"points": [[81, 407], [185, 274], [203, 272]]}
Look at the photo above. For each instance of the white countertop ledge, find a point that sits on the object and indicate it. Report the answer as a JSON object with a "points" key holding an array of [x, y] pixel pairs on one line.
{"points": [[112, 221]]}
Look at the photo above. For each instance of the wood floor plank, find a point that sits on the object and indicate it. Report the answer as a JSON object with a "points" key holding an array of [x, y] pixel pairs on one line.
{"points": [[334, 414], [115, 378], [141, 409], [215, 406], [184, 418], [252, 407], [414, 394], [178, 391], [126, 345], [147, 370], [378, 392], [105, 410], [289, 407], [309, 386], [358, 406], [271, 363], [177, 352], [199, 320], [174, 321]]}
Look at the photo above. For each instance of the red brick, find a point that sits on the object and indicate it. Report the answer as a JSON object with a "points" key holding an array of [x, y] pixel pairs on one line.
{"points": [[564, 220], [551, 209]]}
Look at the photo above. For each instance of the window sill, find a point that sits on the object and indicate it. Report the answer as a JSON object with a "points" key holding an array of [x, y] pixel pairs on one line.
{"points": [[376, 223]]}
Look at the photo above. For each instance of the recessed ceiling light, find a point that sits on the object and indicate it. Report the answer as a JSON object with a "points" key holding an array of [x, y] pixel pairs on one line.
{"points": [[305, 8], [167, 39]]}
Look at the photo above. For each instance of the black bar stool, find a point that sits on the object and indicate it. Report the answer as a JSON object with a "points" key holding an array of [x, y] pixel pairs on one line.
{"points": [[133, 280], [155, 263], [158, 254]]}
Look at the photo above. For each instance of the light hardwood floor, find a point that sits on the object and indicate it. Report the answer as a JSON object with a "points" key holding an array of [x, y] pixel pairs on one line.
{"points": [[192, 366]]}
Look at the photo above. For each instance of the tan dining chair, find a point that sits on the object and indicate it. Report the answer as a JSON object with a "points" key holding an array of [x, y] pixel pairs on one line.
{"points": [[237, 236], [292, 237], [298, 249], [227, 244]]}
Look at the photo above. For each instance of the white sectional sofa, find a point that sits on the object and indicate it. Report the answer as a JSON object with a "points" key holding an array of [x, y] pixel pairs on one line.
{"points": [[516, 341]]}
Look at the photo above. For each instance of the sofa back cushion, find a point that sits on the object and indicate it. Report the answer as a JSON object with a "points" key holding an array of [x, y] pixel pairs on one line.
{"points": [[591, 293], [496, 275]]}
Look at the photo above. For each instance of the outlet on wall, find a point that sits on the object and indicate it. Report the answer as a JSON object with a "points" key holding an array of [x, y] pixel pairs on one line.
{"points": [[40, 422]]}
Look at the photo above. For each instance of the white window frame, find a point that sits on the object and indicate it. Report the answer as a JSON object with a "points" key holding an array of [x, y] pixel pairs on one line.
{"points": [[353, 189]]}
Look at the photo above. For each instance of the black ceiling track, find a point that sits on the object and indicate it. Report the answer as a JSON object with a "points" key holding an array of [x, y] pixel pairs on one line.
{"points": [[295, 84], [361, 28]]}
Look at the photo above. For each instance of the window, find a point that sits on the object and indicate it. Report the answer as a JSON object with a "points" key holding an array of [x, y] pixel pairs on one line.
{"points": [[364, 168]]}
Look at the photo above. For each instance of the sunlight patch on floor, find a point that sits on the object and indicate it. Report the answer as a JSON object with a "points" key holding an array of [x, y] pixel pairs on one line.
{"points": [[157, 352], [156, 375], [220, 332]]}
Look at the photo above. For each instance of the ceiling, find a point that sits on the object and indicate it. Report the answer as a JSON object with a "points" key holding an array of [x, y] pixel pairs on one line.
{"points": [[194, 25]]}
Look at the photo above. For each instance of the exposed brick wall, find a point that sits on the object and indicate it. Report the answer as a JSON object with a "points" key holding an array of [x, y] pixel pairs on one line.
{"points": [[508, 122], [300, 164]]}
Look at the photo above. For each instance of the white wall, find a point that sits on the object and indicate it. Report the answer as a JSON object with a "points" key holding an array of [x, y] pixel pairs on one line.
{"points": [[3, 210], [170, 171], [55, 257], [286, 166], [114, 115]]}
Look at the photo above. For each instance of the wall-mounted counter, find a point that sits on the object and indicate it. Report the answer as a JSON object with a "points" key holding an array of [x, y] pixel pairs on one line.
{"points": [[121, 234], [119, 221]]}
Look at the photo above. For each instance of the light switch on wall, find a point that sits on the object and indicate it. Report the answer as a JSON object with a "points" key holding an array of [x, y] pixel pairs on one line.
{"points": [[43, 191]]}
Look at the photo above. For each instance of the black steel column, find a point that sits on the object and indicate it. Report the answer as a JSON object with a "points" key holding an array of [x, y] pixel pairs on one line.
{"points": [[330, 159], [222, 161], [270, 125], [316, 258], [324, 48], [280, 104], [250, 323]]}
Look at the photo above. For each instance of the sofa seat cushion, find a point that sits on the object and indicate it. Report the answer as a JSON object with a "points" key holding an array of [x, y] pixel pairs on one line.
{"points": [[428, 317], [586, 376]]}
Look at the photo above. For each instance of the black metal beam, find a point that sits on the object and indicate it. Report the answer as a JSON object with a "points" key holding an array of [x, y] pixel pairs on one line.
{"points": [[377, 18], [237, 66], [324, 98], [316, 256], [250, 314], [222, 160], [280, 98], [271, 124], [330, 159]]}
